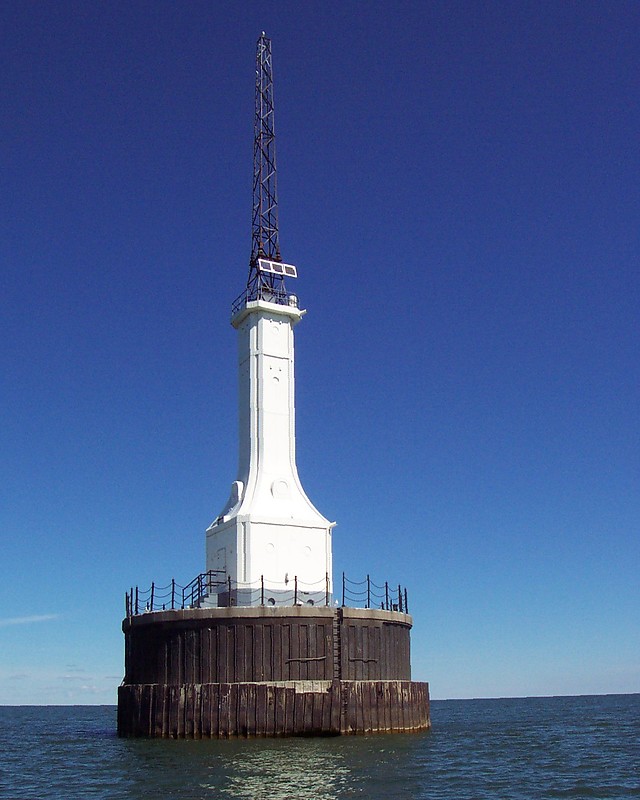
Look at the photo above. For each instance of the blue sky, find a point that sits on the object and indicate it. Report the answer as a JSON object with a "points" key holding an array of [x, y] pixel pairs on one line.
{"points": [[459, 187]]}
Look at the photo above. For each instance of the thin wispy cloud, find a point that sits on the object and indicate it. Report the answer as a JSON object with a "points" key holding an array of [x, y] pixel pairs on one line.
{"points": [[27, 620]]}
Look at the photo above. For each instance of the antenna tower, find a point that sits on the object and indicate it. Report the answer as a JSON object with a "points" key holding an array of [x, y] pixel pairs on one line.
{"points": [[266, 271]]}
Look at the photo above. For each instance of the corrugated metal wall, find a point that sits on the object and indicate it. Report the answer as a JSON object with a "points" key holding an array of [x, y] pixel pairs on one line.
{"points": [[280, 649]]}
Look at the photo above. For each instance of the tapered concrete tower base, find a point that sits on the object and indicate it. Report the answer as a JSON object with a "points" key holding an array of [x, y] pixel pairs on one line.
{"points": [[269, 530], [224, 672]]}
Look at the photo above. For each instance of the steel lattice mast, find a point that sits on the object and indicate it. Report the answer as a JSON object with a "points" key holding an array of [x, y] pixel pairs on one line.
{"points": [[265, 196], [264, 282]]}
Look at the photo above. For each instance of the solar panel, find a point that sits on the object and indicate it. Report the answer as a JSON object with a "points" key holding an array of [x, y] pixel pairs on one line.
{"points": [[277, 268]]}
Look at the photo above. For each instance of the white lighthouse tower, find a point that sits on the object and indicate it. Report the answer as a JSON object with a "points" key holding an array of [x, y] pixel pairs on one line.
{"points": [[269, 540]]}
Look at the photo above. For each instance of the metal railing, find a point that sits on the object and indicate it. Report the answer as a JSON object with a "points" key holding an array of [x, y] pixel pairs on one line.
{"points": [[174, 595], [367, 594], [227, 592], [270, 294]]}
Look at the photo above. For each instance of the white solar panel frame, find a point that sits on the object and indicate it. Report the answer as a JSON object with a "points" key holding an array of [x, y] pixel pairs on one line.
{"points": [[277, 268]]}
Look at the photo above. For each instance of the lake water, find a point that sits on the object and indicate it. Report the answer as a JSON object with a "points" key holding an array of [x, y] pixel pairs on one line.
{"points": [[534, 748]]}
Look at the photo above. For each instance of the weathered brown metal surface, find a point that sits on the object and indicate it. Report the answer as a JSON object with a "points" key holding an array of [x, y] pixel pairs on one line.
{"points": [[375, 646], [296, 708], [263, 671], [235, 645]]}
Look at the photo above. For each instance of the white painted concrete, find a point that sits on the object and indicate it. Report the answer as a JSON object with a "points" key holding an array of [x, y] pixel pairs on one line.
{"points": [[269, 527]]}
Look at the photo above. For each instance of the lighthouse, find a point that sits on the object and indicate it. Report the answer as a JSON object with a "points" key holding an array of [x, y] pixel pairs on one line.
{"points": [[259, 644], [269, 536]]}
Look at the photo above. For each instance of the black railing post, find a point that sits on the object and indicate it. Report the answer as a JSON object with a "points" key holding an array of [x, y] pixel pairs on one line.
{"points": [[295, 590], [229, 585], [406, 602], [326, 589], [136, 599], [368, 592], [343, 588], [126, 604], [262, 590], [399, 598], [173, 593], [386, 595], [153, 588]]}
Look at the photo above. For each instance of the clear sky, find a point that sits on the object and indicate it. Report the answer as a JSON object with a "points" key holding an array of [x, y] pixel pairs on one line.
{"points": [[460, 189]]}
